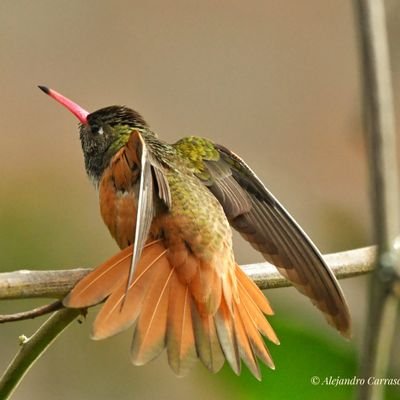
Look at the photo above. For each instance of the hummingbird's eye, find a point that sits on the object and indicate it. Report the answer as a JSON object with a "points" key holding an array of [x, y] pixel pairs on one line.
{"points": [[97, 130]]}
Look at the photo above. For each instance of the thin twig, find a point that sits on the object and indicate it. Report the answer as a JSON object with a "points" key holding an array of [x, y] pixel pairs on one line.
{"points": [[32, 348], [34, 313], [380, 128]]}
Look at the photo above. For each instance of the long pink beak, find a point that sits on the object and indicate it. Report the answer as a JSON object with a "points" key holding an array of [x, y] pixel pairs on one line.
{"points": [[77, 110]]}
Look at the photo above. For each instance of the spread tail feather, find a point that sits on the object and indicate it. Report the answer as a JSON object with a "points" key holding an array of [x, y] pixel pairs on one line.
{"points": [[180, 336], [169, 311], [99, 283]]}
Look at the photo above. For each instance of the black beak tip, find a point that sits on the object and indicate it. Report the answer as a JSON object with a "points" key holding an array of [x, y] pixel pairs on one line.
{"points": [[44, 89]]}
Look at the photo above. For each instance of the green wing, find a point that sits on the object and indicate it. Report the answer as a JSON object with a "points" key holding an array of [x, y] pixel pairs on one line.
{"points": [[259, 217]]}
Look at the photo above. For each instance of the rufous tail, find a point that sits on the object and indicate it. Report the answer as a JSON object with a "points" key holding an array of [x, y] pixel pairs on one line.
{"points": [[167, 311]]}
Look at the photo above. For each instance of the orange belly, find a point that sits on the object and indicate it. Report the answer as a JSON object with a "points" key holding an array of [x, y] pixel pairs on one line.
{"points": [[118, 209]]}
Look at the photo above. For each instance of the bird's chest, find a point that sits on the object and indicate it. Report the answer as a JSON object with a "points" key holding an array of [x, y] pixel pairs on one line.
{"points": [[118, 204]]}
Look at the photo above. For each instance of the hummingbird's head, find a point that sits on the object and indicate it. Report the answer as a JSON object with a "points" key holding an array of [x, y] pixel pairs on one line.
{"points": [[102, 132]]}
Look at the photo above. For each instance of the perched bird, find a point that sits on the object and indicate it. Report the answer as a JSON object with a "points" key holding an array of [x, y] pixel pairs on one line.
{"points": [[170, 208]]}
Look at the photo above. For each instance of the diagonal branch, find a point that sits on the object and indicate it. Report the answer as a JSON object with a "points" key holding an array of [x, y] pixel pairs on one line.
{"points": [[32, 348]]}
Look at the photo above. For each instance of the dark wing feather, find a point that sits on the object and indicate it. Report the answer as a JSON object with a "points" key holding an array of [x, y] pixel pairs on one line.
{"points": [[254, 212], [151, 177]]}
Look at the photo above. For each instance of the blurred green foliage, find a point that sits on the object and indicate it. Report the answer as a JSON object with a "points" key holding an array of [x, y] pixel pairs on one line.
{"points": [[303, 355]]}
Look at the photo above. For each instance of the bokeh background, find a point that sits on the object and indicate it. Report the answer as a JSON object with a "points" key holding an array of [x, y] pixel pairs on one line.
{"points": [[277, 82]]}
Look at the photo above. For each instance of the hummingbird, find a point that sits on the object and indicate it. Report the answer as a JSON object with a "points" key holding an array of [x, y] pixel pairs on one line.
{"points": [[171, 209]]}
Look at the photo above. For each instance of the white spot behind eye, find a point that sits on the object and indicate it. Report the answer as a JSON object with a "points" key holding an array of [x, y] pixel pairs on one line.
{"points": [[100, 131]]}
